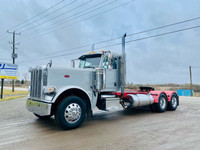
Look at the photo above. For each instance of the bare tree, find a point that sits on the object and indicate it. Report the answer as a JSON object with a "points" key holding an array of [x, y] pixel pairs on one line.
{"points": [[25, 75]]}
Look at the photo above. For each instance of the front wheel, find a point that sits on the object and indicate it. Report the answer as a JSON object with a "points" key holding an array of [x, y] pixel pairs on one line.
{"points": [[70, 113]]}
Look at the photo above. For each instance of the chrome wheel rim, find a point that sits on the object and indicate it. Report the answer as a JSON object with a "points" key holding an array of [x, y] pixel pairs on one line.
{"points": [[72, 113], [174, 101], [162, 103]]}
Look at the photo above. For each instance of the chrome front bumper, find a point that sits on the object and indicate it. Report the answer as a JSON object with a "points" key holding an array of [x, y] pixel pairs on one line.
{"points": [[38, 107]]}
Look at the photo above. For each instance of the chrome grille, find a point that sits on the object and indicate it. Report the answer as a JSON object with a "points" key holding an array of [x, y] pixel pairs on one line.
{"points": [[36, 84]]}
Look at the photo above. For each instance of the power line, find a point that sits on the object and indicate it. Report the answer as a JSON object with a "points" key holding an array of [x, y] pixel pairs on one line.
{"points": [[58, 16], [54, 56], [153, 36], [36, 15], [156, 28], [63, 21], [166, 33], [83, 46], [84, 19], [30, 59], [164, 26], [130, 41], [88, 45], [47, 15]]}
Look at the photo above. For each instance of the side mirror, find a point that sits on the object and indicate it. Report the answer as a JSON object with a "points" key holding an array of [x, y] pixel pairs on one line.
{"points": [[73, 63], [49, 64]]}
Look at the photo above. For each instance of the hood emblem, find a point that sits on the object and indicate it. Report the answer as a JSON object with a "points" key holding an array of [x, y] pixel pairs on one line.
{"points": [[66, 76]]}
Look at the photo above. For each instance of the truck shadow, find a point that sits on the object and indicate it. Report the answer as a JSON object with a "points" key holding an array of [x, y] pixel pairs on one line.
{"points": [[50, 124], [114, 115]]}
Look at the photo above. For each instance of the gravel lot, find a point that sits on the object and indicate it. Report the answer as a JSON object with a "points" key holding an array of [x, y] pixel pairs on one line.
{"points": [[116, 129]]}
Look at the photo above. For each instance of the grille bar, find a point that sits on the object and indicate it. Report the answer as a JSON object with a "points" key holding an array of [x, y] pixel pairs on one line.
{"points": [[36, 84]]}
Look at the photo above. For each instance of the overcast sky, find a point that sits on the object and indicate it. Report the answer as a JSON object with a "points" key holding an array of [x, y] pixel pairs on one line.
{"points": [[74, 23]]}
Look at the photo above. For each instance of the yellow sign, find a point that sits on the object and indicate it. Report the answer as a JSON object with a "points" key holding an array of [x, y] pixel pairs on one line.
{"points": [[8, 77]]}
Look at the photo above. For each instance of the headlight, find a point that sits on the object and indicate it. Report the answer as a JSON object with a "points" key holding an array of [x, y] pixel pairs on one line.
{"points": [[49, 89]]}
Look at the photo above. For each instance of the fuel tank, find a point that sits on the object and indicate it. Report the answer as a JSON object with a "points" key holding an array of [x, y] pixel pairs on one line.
{"points": [[137, 100]]}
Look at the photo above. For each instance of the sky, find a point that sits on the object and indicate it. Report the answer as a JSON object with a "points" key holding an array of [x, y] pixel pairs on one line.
{"points": [[62, 30]]}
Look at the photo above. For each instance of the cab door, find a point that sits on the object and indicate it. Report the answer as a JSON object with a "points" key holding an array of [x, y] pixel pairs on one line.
{"points": [[111, 74]]}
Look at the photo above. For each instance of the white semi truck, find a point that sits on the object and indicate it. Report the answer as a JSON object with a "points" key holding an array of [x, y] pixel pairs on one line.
{"points": [[71, 93]]}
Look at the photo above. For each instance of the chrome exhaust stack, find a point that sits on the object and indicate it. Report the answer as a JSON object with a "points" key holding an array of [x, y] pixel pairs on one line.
{"points": [[123, 67]]}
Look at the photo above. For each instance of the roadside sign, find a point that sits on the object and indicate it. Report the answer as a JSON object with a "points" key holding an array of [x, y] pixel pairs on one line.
{"points": [[8, 71]]}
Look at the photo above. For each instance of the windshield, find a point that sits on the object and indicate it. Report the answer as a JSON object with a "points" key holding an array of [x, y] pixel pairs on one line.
{"points": [[89, 62]]}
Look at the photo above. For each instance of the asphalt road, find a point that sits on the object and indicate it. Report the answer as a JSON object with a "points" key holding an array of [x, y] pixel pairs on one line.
{"points": [[116, 129]]}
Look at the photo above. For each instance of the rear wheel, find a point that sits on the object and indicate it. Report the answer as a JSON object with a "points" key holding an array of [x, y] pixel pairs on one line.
{"points": [[161, 106], [174, 102], [70, 113]]}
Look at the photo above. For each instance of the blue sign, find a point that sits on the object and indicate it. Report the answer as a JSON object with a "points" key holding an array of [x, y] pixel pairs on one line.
{"points": [[182, 92], [8, 71]]}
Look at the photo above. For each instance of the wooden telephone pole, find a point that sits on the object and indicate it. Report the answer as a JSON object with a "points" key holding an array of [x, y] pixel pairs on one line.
{"points": [[14, 55], [190, 69]]}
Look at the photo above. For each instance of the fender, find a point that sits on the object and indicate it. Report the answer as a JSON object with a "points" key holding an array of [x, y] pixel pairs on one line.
{"points": [[65, 88], [169, 95], [156, 95]]}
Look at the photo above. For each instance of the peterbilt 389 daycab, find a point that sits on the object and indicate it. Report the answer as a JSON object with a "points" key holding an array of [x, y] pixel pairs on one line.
{"points": [[71, 93]]}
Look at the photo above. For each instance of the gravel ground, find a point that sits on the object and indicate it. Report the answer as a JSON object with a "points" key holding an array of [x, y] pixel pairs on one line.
{"points": [[116, 129]]}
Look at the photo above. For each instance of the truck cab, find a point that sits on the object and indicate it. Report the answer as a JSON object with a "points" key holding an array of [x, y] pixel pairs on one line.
{"points": [[97, 74]]}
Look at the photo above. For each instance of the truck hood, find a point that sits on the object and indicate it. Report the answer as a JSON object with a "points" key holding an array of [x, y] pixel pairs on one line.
{"points": [[60, 77]]}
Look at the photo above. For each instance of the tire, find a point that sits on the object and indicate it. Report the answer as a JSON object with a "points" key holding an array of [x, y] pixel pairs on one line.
{"points": [[173, 103], [152, 107], [70, 112], [42, 117], [161, 106]]}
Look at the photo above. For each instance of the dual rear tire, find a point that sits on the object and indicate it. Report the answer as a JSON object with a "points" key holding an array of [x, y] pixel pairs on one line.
{"points": [[163, 104], [173, 103]]}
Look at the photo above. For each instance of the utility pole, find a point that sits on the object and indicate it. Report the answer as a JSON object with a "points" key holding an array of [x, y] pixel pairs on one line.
{"points": [[190, 69], [13, 55]]}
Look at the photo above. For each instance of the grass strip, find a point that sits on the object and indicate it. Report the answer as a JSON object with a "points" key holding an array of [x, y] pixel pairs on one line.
{"points": [[12, 97], [16, 92]]}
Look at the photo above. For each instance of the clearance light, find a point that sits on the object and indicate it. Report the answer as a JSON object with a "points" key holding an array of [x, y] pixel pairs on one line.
{"points": [[102, 51], [90, 53], [49, 89]]}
